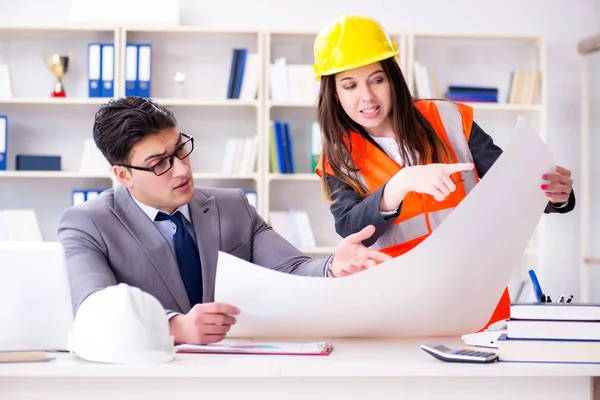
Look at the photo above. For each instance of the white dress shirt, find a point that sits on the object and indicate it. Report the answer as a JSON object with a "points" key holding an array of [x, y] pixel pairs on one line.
{"points": [[390, 147], [168, 227]]}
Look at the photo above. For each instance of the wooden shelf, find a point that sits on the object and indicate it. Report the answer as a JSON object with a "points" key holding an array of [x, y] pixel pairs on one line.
{"points": [[183, 29], [294, 177], [300, 104], [476, 36], [103, 100], [218, 175], [477, 106], [56, 101], [53, 175], [207, 103], [505, 107], [67, 29]]}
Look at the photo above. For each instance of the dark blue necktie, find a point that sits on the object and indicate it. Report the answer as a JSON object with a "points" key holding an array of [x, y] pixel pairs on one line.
{"points": [[188, 257]]}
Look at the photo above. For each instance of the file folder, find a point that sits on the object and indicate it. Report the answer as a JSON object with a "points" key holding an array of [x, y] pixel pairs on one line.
{"points": [[108, 70], [252, 347], [94, 69], [131, 70], [3, 141], [144, 70]]}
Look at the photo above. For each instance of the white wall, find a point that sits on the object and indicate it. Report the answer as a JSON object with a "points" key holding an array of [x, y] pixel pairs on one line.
{"points": [[563, 23]]}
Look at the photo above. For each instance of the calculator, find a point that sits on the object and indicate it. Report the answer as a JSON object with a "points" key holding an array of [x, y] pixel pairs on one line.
{"points": [[466, 355]]}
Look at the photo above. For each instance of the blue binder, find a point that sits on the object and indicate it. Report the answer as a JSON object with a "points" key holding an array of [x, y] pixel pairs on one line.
{"points": [[94, 69], [144, 70], [108, 70], [131, 70], [281, 147]]}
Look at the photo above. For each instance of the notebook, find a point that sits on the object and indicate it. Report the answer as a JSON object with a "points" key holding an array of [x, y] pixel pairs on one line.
{"points": [[23, 356], [250, 347], [556, 311]]}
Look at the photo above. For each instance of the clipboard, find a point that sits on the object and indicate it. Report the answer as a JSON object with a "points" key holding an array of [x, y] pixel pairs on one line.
{"points": [[265, 348]]}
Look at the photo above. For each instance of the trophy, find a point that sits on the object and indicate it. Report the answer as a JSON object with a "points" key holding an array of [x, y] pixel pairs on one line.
{"points": [[59, 66]]}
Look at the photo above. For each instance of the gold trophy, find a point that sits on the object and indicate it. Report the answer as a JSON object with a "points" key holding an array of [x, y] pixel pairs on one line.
{"points": [[59, 66]]}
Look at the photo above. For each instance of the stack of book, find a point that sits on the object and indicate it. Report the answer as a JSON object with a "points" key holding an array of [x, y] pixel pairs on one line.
{"points": [[475, 94], [552, 332]]}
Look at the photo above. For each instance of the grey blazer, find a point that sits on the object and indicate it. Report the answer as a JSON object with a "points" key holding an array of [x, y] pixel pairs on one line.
{"points": [[109, 240]]}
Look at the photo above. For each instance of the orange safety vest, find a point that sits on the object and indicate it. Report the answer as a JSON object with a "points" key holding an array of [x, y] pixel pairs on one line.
{"points": [[421, 213]]}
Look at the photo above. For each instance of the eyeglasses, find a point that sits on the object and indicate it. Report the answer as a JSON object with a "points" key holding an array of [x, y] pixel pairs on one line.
{"points": [[165, 164]]}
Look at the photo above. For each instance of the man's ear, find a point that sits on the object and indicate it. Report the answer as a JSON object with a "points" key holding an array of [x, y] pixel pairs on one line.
{"points": [[123, 175]]}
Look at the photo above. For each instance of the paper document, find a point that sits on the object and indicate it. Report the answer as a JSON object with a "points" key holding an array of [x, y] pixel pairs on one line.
{"points": [[448, 285], [250, 347]]}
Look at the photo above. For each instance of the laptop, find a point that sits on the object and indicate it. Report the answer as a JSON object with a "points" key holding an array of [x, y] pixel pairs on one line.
{"points": [[35, 300]]}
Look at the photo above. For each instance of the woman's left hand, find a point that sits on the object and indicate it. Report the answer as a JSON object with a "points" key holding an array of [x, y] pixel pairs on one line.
{"points": [[558, 186]]}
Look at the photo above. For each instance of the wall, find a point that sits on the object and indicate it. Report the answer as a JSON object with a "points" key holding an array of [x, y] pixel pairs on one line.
{"points": [[563, 23]]}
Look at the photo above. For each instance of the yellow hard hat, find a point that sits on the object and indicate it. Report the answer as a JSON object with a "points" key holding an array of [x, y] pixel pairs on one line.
{"points": [[349, 42]]}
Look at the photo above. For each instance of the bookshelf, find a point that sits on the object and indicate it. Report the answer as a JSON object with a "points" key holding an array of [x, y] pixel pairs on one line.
{"points": [[204, 111], [589, 50]]}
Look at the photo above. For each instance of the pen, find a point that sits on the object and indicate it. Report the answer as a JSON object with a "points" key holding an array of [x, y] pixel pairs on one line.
{"points": [[570, 298], [560, 299], [536, 285]]}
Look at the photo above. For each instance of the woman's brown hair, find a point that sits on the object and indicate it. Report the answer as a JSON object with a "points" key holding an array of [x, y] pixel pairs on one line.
{"points": [[414, 135]]}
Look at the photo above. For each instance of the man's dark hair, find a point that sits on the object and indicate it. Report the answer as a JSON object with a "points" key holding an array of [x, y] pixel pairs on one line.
{"points": [[123, 122]]}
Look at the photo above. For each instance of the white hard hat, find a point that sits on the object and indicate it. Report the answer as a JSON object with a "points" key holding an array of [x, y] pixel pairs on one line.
{"points": [[122, 324]]}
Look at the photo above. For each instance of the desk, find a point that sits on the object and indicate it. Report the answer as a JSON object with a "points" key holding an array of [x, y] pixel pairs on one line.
{"points": [[357, 369]]}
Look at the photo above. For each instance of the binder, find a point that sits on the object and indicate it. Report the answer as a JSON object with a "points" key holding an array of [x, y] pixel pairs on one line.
{"points": [[233, 74], [144, 70], [289, 156], [281, 150], [241, 68], [78, 197], [3, 141], [81, 196], [94, 69], [108, 70], [131, 70]]}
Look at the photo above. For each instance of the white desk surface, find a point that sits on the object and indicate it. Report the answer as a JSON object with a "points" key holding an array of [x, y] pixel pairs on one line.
{"points": [[351, 358]]}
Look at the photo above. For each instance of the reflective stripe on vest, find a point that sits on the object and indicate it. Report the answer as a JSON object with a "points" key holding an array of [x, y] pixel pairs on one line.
{"points": [[452, 121], [410, 229], [402, 231]]}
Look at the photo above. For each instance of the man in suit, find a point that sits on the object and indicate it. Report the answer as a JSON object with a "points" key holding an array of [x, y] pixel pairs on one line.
{"points": [[159, 233]]}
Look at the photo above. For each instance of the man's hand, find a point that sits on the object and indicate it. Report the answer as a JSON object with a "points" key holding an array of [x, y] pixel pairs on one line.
{"points": [[352, 256], [204, 324]]}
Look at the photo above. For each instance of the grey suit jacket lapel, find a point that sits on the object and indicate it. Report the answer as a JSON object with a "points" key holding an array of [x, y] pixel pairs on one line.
{"points": [[205, 217], [152, 243]]}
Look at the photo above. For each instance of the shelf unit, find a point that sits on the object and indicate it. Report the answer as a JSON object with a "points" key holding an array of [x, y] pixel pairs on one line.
{"points": [[205, 113], [589, 50]]}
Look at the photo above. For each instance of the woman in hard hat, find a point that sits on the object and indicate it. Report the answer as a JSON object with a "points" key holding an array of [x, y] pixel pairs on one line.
{"points": [[379, 144]]}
